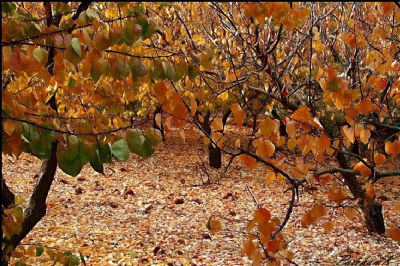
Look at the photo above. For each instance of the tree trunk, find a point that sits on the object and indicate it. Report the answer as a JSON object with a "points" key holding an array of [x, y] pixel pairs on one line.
{"points": [[374, 218], [36, 209], [373, 215], [214, 156]]}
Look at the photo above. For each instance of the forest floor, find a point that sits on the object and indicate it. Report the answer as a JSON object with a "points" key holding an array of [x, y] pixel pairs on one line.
{"points": [[154, 212]]}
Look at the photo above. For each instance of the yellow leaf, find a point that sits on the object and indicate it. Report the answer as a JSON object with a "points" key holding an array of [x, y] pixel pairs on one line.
{"points": [[264, 147], [224, 96], [271, 176], [268, 126], [357, 129], [291, 144]]}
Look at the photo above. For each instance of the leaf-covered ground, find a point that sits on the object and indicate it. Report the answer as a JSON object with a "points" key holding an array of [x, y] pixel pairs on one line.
{"points": [[153, 212]]}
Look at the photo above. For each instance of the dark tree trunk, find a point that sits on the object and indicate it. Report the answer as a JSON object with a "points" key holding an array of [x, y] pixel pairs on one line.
{"points": [[214, 156], [374, 218]]}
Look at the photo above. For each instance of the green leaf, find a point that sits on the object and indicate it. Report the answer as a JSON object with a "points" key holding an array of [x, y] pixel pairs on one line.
{"points": [[39, 251], [105, 153], [72, 56], [120, 149], [193, 72], [71, 83], [8, 7], [144, 24], [40, 148], [73, 260], [29, 132], [40, 55], [332, 85], [135, 140], [142, 145], [76, 44], [93, 155], [72, 159]]}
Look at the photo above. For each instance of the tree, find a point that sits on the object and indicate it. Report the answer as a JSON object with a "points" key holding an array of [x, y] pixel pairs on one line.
{"points": [[326, 69], [326, 74], [70, 73]]}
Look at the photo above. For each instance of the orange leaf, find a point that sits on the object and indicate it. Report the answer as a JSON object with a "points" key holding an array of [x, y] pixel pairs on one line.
{"points": [[193, 106], [394, 234], [379, 158], [248, 161], [9, 126], [264, 148], [337, 196], [369, 193], [160, 90], [350, 213], [268, 126], [249, 247], [363, 169], [324, 142], [291, 129], [392, 148], [348, 133], [323, 179], [328, 227], [365, 135], [217, 124], [261, 216], [274, 245], [238, 114]]}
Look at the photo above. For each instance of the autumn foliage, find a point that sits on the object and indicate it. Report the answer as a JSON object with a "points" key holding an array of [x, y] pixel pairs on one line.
{"points": [[317, 81]]}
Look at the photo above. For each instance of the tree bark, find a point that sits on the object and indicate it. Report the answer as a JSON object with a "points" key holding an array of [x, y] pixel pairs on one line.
{"points": [[214, 156]]}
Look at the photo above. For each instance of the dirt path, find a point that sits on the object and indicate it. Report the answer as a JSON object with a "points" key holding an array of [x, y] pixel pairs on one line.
{"points": [[153, 212]]}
